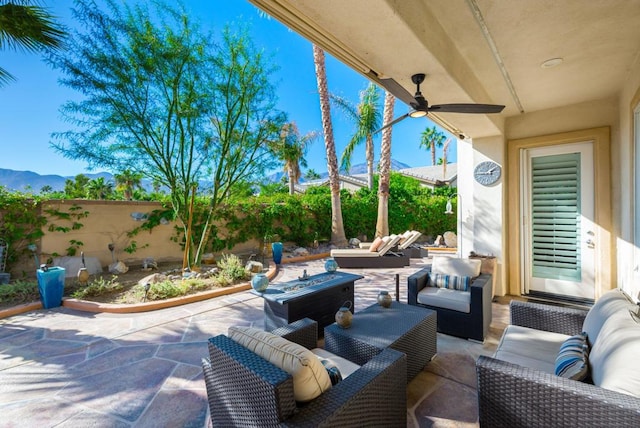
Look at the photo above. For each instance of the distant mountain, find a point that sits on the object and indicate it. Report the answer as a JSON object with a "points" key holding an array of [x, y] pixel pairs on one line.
{"points": [[30, 181]]}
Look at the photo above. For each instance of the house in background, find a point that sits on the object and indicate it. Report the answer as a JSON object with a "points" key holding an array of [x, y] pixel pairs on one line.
{"points": [[428, 176], [561, 215]]}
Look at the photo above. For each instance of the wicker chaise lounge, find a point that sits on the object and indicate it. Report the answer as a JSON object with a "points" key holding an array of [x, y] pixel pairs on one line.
{"points": [[383, 256], [245, 389]]}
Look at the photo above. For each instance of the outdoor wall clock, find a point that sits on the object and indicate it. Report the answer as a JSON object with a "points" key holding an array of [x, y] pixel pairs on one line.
{"points": [[487, 173]]}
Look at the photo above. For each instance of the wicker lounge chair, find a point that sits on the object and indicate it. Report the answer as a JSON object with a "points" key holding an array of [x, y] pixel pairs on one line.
{"points": [[386, 256], [469, 324], [244, 389]]}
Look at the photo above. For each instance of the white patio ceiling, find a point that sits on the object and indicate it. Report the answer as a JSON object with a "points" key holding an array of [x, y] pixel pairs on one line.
{"points": [[389, 40]]}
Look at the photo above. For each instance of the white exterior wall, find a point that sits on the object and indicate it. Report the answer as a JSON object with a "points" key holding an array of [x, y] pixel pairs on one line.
{"points": [[488, 235], [628, 261]]}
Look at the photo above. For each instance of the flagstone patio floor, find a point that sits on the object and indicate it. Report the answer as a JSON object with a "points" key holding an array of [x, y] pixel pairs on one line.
{"points": [[66, 368]]}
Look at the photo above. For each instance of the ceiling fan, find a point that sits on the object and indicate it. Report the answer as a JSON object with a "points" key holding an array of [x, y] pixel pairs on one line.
{"points": [[421, 107]]}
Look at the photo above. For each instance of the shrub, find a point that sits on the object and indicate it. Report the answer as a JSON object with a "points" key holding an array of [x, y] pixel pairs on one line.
{"points": [[98, 287]]}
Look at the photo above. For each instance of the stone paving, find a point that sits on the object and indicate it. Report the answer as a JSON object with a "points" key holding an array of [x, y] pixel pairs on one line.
{"points": [[66, 368]]}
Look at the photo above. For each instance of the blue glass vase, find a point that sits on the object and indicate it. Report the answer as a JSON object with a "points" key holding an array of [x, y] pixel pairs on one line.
{"points": [[260, 282], [331, 265], [276, 247]]}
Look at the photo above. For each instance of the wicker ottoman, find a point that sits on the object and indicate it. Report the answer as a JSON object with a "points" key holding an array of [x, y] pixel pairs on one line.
{"points": [[408, 329]]}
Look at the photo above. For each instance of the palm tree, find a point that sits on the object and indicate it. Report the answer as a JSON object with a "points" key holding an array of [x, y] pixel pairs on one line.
{"points": [[311, 174], [27, 27], [98, 188], [432, 139], [382, 223], [366, 116], [292, 150], [337, 225], [443, 159], [127, 182]]}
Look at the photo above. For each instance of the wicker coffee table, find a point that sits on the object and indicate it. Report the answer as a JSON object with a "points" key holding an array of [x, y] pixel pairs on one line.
{"points": [[408, 329]]}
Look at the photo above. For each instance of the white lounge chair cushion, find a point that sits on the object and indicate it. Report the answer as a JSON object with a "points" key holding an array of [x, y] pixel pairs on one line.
{"points": [[412, 237], [445, 298], [388, 243], [310, 378], [455, 266], [536, 349]]}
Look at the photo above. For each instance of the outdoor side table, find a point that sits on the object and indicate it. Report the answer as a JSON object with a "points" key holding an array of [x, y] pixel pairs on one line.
{"points": [[408, 329]]}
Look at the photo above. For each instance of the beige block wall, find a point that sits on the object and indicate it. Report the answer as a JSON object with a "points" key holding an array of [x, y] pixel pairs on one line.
{"points": [[110, 222]]}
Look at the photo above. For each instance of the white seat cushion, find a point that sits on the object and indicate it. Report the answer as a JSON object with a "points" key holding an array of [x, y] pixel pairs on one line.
{"points": [[310, 378], [531, 348], [445, 298], [345, 366], [455, 266]]}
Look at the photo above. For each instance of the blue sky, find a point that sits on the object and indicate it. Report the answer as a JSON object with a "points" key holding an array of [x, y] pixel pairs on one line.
{"points": [[29, 106]]}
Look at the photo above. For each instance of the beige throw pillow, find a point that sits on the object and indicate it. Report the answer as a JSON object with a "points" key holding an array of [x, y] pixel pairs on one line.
{"points": [[310, 378], [375, 245]]}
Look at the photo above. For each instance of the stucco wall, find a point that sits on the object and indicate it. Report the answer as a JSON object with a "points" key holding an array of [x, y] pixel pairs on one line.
{"points": [[487, 219], [488, 209], [110, 222], [628, 258]]}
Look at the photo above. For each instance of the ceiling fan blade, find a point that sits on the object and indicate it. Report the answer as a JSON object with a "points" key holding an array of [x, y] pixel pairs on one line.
{"points": [[397, 90], [393, 122], [466, 108]]}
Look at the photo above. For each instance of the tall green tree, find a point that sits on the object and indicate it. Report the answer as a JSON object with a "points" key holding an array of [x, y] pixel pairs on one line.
{"points": [[337, 224], [160, 97], [431, 139], [76, 188], [127, 181], [291, 149], [99, 188], [367, 117], [27, 26], [384, 180]]}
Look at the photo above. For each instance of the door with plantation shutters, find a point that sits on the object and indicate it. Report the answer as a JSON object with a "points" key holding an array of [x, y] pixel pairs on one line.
{"points": [[558, 207]]}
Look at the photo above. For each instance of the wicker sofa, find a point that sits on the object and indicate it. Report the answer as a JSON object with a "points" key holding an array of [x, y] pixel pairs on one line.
{"points": [[245, 389], [519, 387], [465, 314]]}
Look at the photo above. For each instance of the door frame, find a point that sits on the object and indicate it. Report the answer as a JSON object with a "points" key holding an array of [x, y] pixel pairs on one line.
{"points": [[600, 137], [586, 200]]}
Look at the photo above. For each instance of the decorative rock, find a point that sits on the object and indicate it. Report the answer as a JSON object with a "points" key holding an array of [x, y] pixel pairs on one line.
{"points": [[253, 266], [354, 242], [208, 259], [149, 263], [450, 240], [439, 241], [154, 278], [300, 252], [118, 267]]}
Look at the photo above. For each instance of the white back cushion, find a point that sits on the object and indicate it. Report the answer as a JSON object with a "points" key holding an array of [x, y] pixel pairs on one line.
{"points": [[310, 378], [455, 266], [610, 303]]}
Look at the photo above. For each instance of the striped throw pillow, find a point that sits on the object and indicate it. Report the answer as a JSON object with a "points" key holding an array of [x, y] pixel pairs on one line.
{"points": [[453, 282], [572, 360]]}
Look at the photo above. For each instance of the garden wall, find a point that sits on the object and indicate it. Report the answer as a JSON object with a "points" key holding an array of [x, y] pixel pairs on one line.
{"points": [[100, 223]]}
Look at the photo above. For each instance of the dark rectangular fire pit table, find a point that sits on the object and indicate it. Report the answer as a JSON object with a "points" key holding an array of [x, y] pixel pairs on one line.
{"points": [[408, 329], [319, 297]]}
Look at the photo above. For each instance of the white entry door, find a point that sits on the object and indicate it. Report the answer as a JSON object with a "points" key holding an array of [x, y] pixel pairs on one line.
{"points": [[559, 242]]}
